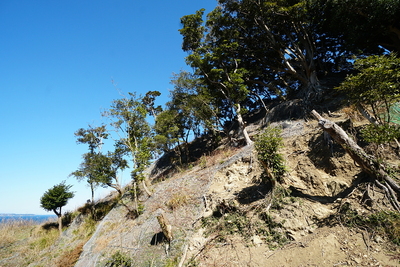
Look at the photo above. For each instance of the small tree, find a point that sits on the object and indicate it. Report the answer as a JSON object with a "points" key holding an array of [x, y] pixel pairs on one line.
{"points": [[129, 118], [55, 198], [376, 89], [94, 138]]}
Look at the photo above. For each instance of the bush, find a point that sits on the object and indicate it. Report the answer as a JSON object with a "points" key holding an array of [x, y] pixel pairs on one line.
{"points": [[119, 259], [267, 145], [380, 134]]}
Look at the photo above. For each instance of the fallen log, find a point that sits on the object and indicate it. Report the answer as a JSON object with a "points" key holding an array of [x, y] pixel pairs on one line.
{"points": [[367, 162]]}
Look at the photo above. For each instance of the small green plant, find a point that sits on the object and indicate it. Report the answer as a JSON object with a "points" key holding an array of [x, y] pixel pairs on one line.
{"points": [[274, 235], [267, 145], [119, 259]]}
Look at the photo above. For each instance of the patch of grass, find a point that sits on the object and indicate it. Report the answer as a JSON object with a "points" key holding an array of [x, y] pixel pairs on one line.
{"points": [[69, 258], [177, 200], [384, 223], [119, 259], [44, 239], [239, 222]]}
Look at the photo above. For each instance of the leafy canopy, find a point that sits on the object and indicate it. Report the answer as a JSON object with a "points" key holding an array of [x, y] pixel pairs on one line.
{"points": [[56, 197]]}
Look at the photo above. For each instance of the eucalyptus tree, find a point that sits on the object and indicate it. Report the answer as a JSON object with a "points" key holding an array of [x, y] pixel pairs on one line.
{"points": [[128, 116], [55, 198]]}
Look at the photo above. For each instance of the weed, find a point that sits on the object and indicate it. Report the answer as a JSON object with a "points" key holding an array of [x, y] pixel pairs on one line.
{"points": [[281, 198], [238, 222], [119, 259], [275, 236], [171, 262]]}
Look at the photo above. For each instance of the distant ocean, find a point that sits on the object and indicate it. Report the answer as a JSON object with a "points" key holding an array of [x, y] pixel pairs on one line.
{"points": [[26, 217]]}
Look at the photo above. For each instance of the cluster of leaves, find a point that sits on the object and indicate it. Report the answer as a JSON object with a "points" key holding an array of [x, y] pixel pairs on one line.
{"points": [[267, 145], [385, 223]]}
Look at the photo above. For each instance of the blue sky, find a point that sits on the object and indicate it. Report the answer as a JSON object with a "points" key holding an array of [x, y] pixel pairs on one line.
{"points": [[57, 61]]}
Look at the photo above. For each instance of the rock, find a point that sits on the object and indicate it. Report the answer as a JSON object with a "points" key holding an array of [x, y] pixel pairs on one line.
{"points": [[256, 240], [378, 239]]}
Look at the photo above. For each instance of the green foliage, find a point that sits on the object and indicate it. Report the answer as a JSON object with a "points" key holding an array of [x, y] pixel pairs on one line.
{"points": [[238, 222], [385, 223], [119, 259], [275, 235], [376, 85], [364, 25], [267, 145], [380, 134], [56, 197], [129, 119]]}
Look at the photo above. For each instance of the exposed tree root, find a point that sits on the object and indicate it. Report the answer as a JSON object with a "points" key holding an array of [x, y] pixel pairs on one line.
{"points": [[367, 162]]}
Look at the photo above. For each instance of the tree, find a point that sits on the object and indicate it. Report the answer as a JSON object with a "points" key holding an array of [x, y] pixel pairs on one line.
{"points": [[129, 118], [363, 24], [189, 113], [246, 51], [102, 169], [149, 100], [94, 138], [55, 198], [272, 46], [376, 88]]}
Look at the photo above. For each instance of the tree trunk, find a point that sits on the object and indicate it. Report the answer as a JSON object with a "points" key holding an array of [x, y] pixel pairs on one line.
{"points": [[59, 219], [145, 188], [367, 162], [243, 126]]}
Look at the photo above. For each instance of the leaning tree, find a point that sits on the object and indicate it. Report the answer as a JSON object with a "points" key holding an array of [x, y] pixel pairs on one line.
{"points": [[55, 198]]}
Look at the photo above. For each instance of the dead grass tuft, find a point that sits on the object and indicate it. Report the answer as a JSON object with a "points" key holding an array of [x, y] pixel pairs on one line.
{"points": [[177, 200]]}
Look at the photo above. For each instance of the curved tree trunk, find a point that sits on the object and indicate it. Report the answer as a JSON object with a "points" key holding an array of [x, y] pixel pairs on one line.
{"points": [[243, 126]]}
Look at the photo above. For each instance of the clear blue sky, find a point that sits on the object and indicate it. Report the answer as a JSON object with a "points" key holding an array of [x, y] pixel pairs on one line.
{"points": [[57, 60]]}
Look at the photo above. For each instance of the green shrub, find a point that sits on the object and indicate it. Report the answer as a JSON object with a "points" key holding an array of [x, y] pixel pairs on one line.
{"points": [[267, 145], [119, 259], [380, 134]]}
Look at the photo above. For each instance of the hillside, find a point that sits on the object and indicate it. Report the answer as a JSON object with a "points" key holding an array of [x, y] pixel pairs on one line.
{"points": [[221, 213]]}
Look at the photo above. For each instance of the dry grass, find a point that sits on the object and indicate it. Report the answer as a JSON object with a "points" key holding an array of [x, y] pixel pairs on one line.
{"points": [[352, 113], [13, 231], [216, 157], [177, 200], [69, 258], [23, 242]]}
